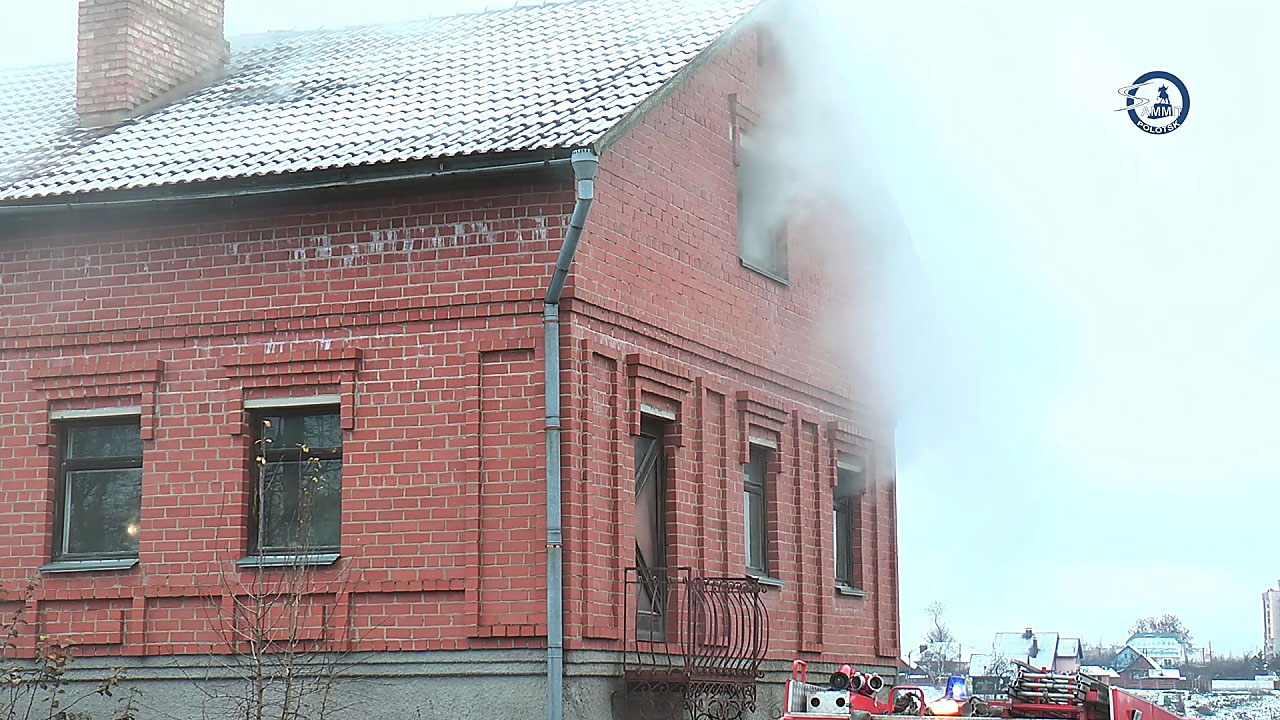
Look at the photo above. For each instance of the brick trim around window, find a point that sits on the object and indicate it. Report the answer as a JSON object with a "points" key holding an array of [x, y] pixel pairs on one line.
{"points": [[259, 374], [98, 384], [659, 387]]}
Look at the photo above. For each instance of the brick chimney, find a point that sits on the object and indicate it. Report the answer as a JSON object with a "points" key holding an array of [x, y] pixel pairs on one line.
{"points": [[133, 52]]}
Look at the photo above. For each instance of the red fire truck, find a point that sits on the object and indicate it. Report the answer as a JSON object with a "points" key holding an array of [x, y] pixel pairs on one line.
{"points": [[1033, 694]]}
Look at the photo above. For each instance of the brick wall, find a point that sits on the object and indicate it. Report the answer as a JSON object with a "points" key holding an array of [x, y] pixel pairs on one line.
{"points": [[665, 315], [422, 314], [132, 51]]}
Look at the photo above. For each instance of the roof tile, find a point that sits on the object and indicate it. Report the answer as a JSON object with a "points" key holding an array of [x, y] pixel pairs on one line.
{"points": [[523, 78]]}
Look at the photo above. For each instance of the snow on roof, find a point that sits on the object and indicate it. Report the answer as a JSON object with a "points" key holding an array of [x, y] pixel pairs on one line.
{"points": [[525, 78], [987, 664], [1156, 644], [1012, 645], [1137, 654], [1098, 671], [1019, 646], [1047, 650], [1069, 647]]}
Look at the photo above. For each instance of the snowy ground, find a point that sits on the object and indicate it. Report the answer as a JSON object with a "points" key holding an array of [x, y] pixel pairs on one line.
{"points": [[1224, 706]]}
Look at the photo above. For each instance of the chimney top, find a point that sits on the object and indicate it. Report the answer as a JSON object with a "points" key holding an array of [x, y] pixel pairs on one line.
{"points": [[132, 54]]}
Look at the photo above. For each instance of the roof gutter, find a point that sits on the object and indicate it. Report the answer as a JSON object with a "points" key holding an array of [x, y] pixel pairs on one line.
{"points": [[585, 162], [345, 180]]}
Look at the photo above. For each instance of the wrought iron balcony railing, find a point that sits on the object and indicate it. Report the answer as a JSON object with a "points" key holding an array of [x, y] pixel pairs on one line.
{"points": [[682, 627]]}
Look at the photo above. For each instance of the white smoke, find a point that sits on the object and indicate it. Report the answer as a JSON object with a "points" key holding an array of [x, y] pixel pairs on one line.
{"points": [[819, 174], [1079, 338]]}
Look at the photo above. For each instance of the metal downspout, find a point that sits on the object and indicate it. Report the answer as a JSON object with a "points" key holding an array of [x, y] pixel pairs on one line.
{"points": [[584, 163]]}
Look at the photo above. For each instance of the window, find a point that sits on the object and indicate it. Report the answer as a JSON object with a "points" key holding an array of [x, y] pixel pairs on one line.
{"points": [[99, 489], [847, 497], [651, 536], [762, 211], [763, 197], [297, 499], [756, 498], [651, 489]]}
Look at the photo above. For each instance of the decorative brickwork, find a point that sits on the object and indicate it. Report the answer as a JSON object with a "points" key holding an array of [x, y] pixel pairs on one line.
{"points": [[422, 314]]}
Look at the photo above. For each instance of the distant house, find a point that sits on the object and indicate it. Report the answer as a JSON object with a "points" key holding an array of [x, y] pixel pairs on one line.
{"points": [[906, 667], [1105, 674], [1069, 656], [1166, 649], [989, 672], [1132, 662], [1137, 670], [1045, 650]]}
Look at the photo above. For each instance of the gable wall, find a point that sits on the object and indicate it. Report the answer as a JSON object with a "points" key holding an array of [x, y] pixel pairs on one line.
{"points": [[664, 315]]}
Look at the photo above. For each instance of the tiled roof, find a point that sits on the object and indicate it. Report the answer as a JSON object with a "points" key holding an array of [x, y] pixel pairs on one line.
{"points": [[525, 78]]}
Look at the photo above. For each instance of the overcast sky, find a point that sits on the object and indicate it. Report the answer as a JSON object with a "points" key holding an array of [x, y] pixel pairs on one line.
{"points": [[1091, 432]]}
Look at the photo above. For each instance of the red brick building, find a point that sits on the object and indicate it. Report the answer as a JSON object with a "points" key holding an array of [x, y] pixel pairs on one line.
{"points": [[342, 242]]}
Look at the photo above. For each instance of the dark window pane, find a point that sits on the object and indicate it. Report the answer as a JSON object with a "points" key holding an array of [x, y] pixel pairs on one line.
{"points": [[288, 433], [649, 524], [642, 445], [101, 511], [650, 528], [278, 498], [756, 547], [322, 431], [322, 495], [271, 431], [104, 441], [847, 498], [757, 467], [849, 482], [844, 543], [301, 505], [755, 499]]}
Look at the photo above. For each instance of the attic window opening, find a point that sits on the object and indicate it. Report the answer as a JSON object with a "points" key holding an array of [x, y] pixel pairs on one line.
{"points": [[762, 197]]}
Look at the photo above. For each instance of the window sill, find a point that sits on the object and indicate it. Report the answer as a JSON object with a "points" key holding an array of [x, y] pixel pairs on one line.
{"points": [[766, 580], [71, 566], [765, 272], [285, 561], [851, 591]]}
